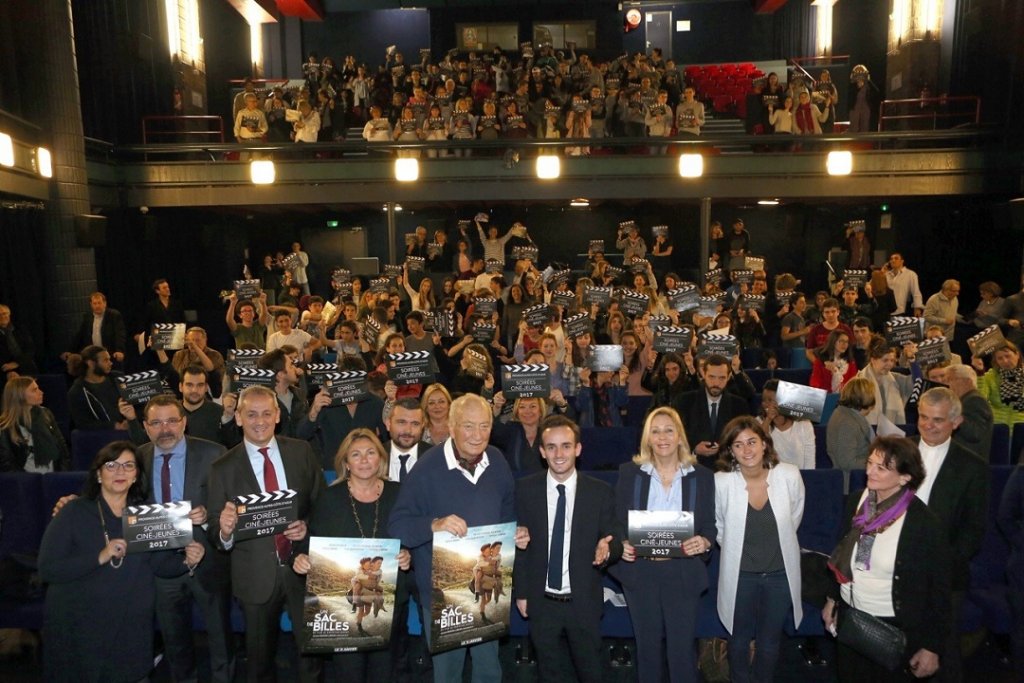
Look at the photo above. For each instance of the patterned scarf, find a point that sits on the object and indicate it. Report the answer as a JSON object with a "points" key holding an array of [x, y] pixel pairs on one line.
{"points": [[804, 120], [1011, 388], [871, 519]]}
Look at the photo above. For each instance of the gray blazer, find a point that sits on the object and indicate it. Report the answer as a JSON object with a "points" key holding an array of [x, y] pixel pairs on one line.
{"points": [[848, 440]]}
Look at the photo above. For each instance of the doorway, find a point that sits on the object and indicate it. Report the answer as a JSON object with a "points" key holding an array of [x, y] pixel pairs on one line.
{"points": [[658, 32]]}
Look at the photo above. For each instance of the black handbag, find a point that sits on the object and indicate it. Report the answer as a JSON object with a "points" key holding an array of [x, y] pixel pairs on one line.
{"points": [[881, 642]]}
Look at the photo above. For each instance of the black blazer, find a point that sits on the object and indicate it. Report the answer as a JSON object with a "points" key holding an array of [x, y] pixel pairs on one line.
{"points": [[112, 332], [254, 562], [692, 407], [421, 448], [510, 438], [959, 498], [200, 455], [975, 432], [46, 439], [631, 492], [920, 582], [593, 518]]}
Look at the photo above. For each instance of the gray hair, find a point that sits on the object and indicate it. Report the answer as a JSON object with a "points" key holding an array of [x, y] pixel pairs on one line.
{"points": [[963, 372], [937, 395]]}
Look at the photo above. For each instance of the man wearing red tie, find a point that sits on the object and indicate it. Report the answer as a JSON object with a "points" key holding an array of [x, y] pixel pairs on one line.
{"points": [[261, 574]]}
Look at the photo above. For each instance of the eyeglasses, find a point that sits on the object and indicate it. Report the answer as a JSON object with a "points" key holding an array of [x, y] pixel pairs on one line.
{"points": [[169, 422], [115, 466]]}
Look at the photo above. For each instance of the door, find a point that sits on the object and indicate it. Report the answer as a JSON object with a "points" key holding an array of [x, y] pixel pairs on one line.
{"points": [[658, 32]]}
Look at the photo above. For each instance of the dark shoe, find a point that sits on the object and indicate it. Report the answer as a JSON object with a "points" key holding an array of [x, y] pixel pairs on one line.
{"points": [[362, 631]]}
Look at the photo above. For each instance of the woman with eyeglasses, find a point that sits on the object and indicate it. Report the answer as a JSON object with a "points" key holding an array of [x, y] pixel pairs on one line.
{"points": [[759, 503], [98, 620]]}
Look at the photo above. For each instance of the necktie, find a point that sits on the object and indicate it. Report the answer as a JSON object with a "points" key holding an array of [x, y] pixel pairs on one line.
{"points": [[714, 416], [283, 545], [165, 479], [557, 542], [404, 467]]}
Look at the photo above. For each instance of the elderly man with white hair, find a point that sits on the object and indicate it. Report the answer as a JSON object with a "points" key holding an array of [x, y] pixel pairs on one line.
{"points": [[941, 308], [975, 432]]}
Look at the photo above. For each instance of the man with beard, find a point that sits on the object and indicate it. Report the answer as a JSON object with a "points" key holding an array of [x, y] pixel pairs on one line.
{"points": [[93, 398], [205, 418], [406, 445], [706, 411], [291, 404]]}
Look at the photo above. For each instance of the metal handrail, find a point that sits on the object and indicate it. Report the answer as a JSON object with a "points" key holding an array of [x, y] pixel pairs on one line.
{"points": [[147, 133], [933, 114]]}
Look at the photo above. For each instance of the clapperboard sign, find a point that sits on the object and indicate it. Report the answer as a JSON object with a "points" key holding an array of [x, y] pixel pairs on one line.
{"points": [[493, 266], [639, 265], [717, 344], [244, 358], [169, 336], [659, 231], [684, 298], [753, 263], [291, 261], [526, 49], [782, 298], [525, 381], [411, 367], [341, 275], [901, 329], [597, 246], [800, 402], [392, 271], [251, 377], [247, 289], [933, 350], [614, 272], [343, 289], [485, 306], [537, 315], [371, 331], [854, 278], [672, 339], [659, 533], [713, 276], [380, 285], [141, 386], [415, 263], [434, 249], [606, 358], [316, 372], [483, 333], [157, 527], [444, 323], [265, 514], [410, 238], [476, 362], [482, 218], [566, 299], [707, 306], [754, 302], [656, 322], [628, 227], [633, 304], [345, 387], [577, 325], [558, 277], [525, 253], [742, 276], [986, 341], [597, 296]]}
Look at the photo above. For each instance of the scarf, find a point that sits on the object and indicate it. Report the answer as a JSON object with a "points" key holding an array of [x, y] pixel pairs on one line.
{"points": [[871, 519], [1011, 388], [804, 120]]}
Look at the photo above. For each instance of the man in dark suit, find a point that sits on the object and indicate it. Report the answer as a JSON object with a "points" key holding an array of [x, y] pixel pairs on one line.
{"points": [[956, 489], [405, 424], [180, 469], [705, 412], [261, 574], [101, 326], [574, 534], [975, 431]]}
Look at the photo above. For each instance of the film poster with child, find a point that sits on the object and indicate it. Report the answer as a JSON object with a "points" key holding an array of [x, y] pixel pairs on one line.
{"points": [[472, 580]]}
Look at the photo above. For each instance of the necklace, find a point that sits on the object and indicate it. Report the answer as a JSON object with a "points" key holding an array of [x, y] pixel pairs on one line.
{"points": [[355, 513], [114, 562]]}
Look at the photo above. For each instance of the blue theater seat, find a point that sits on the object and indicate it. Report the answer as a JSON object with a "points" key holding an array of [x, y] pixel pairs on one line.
{"points": [[821, 459], [19, 500], [999, 452], [798, 375], [831, 401], [55, 486], [858, 480], [1016, 443], [636, 411], [823, 509], [86, 443], [988, 590]]}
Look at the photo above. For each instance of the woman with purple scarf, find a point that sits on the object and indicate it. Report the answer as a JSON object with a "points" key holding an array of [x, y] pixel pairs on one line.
{"points": [[892, 563]]}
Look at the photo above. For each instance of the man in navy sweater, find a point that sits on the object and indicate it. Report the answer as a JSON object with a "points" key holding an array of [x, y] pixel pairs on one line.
{"points": [[456, 485]]}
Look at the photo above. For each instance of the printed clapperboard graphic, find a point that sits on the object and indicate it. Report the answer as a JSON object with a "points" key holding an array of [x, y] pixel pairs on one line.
{"points": [[371, 330], [316, 372], [411, 367], [483, 332], [526, 381], [444, 323], [525, 253], [558, 277], [380, 285], [720, 344], [753, 263], [597, 296], [656, 321], [659, 231], [578, 324], [639, 265], [606, 358], [493, 266], [709, 306], [685, 297], [251, 377], [633, 304], [742, 276], [169, 336], [628, 227], [713, 276], [566, 299], [245, 358], [344, 387], [659, 533], [537, 315], [614, 272], [141, 386], [754, 302], [672, 339], [341, 275], [800, 402], [415, 264], [477, 363], [902, 329], [485, 306], [265, 514], [392, 271], [247, 289], [434, 249], [597, 246], [932, 351], [854, 278], [157, 527], [985, 341]]}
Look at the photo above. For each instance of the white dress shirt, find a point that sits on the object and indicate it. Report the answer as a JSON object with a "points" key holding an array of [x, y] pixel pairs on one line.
{"points": [[453, 464], [932, 457], [395, 465], [97, 330], [256, 462], [570, 503]]}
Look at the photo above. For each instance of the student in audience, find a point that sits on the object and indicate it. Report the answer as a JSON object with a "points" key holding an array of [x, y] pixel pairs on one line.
{"points": [[1003, 384], [30, 439], [848, 436], [93, 398], [793, 439], [891, 390], [254, 318], [833, 364]]}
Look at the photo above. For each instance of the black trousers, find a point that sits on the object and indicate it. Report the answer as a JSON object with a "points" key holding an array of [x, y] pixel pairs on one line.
{"points": [[174, 599], [550, 621]]}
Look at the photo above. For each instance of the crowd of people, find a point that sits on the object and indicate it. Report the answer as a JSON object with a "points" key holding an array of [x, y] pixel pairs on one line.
{"points": [[542, 94], [444, 454]]}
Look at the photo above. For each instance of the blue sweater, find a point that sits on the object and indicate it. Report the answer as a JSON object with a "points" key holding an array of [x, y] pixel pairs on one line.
{"points": [[431, 491]]}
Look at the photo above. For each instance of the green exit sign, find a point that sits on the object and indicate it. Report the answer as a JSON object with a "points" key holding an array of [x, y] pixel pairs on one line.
{"points": [[332, 224]]}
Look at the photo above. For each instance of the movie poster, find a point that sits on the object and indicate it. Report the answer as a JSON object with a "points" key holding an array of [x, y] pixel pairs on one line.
{"points": [[350, 594], [472, 579]]}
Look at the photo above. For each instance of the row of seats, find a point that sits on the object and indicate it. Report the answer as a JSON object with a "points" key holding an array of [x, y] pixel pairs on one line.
{"points": [[28, 499]]}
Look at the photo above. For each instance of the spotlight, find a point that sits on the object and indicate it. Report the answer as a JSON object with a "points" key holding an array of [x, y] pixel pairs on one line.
{"points": [[839, 163], [768, 202], [548, 167], [407, 170], [262, 172], [44, 162], [6, 150], [580, 203], [691, 165]]}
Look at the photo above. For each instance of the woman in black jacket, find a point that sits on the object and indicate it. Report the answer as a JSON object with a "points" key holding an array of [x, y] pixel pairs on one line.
{"points": [[893, 562], [667, 376], [29, 437]]}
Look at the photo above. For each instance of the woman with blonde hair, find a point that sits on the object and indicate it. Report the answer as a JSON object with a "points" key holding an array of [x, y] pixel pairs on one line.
{"points": [[422, 298], [435, 403], [663, 593], [30, 439]]}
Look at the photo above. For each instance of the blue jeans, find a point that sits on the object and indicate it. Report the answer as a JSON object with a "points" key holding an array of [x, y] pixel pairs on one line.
{"points": [[762, 607]]}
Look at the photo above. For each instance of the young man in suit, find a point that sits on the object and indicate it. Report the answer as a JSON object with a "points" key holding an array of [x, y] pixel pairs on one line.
{"points": [[705, 412], [956, 489], [405, 424], [180, 468], [261, 574], [575, 535]]}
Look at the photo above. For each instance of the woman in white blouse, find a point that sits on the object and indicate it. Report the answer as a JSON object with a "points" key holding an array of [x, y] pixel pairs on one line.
{"points": [[759, 580], [793, 439]]}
